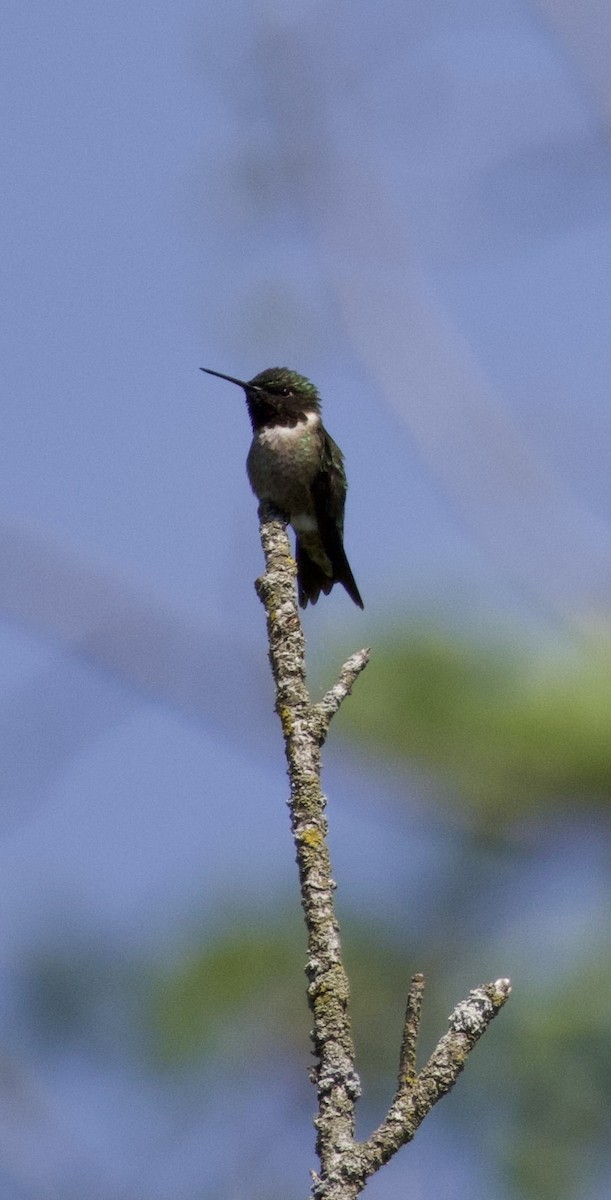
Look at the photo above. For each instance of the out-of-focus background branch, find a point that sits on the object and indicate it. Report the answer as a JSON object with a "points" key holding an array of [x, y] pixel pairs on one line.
{"points": [[411, 204]]}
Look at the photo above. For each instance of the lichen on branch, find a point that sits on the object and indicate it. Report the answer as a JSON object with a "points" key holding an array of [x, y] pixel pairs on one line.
{"points": [[345, 1164]]}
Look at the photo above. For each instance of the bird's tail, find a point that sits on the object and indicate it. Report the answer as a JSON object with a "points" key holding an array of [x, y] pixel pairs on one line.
{"points": [[312, 580]]}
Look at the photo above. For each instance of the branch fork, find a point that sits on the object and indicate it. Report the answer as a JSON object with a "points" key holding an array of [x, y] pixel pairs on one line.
{"points": [[345, 1164]]}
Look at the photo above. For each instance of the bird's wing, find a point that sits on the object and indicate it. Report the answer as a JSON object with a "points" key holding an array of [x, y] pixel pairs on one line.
{"points": [[329, 495]]}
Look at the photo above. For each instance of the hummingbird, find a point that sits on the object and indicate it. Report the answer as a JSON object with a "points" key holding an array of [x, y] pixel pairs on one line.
{"points": [[295, 465]]}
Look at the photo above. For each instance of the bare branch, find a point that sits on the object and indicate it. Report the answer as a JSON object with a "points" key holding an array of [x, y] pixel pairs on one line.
{"points": [[414, 1101], [345, 1164], [411, 1029], [334, 1074], [326, 709]]}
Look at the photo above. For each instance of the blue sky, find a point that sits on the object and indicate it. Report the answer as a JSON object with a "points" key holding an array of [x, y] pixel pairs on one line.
{"points": [[411, 205]]}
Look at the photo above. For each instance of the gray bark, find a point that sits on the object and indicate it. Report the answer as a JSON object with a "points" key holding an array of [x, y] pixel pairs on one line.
{"points": [[345, 1164]]}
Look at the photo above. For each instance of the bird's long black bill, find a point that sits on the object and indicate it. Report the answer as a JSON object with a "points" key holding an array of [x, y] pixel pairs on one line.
{"points": [[229, 378]]}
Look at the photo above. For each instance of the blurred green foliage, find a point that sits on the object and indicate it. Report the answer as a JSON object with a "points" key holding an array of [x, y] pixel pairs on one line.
{"points": [[508, 730], [542, 1075], [555, 1047], [513, 733], [244, 982], [255, 979]]}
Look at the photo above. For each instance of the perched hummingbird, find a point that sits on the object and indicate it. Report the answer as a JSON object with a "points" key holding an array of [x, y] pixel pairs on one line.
{"points": [[295, 465]]}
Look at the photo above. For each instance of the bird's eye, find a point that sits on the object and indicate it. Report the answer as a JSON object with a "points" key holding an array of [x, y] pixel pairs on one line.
{"points": [[286, 391]]}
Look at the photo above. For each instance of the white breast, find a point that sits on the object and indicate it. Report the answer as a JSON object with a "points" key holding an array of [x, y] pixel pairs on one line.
{"points": [[282, 462], [279, 437]]}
